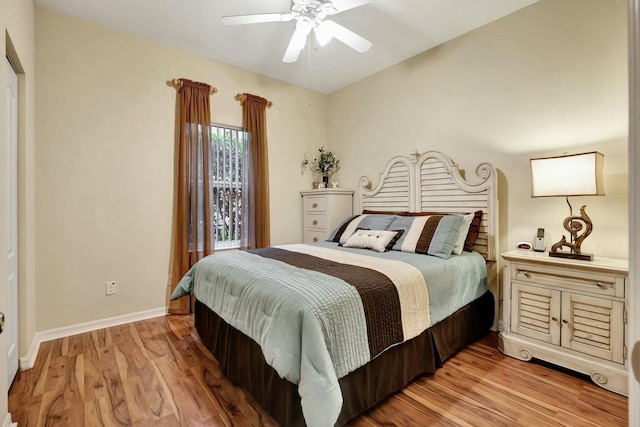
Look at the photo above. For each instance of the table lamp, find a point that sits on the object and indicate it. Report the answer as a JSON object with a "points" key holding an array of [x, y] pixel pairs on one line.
{"points": [[565, 176]]}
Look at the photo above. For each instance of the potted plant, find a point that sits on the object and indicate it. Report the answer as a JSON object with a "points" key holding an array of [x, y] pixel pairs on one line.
{"points": [[325, 163]]}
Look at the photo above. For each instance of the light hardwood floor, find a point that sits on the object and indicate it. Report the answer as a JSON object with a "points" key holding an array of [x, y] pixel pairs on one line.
{"points": [[157, 373]]}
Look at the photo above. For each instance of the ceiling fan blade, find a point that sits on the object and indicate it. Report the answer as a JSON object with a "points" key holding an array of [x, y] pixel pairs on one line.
{"points": [[256, 19], [342, 5], [297, 42], [331, 29]]}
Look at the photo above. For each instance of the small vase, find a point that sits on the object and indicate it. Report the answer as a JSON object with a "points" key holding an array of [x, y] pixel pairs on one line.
{"points": [[325, 180]]}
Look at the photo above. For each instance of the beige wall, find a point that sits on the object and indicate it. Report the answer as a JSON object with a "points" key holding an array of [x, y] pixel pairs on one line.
{"points": [[105, 122], [17, 42], [549, 79]]}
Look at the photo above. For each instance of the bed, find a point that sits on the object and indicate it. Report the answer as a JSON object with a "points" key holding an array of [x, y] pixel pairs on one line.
{"points": [[311, 331]]}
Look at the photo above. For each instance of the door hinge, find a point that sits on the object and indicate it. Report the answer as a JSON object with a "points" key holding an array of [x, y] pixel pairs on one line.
{"points": [[624, 316], [624, 352]]}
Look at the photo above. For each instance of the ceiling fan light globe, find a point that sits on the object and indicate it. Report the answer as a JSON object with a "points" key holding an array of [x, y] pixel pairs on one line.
{"points": [[323, 34]]}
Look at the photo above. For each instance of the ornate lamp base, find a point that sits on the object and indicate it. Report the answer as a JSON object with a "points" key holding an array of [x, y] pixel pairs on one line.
{"points": [[572, 255], [574, 224]]}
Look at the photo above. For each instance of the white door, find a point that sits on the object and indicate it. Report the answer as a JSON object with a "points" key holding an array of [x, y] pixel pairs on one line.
{"points": [[11, 320]]}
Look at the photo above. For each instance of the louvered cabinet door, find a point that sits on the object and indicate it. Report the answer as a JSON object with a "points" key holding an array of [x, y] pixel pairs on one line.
{"points": [[535, 312], [593, 326]]}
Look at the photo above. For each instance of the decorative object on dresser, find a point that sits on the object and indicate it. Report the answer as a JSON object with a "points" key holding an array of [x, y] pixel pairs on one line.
{"points": [[324, 164], [569, 175], [323, 210], [569, 313]]}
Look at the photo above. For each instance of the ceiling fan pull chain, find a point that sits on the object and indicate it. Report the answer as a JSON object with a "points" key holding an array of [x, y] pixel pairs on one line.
{"points": [[309, 69]]}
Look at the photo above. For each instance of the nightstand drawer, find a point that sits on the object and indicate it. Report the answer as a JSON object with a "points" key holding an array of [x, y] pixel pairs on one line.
{"points": [[315, 221], [314, 204], [570, 279]]}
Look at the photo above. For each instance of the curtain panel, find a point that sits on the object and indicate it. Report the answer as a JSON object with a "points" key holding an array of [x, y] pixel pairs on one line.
{"points": [[256, 229], [192, 227]]}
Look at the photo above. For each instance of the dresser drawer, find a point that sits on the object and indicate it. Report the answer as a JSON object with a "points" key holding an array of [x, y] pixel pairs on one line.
{"points": [[314, 204], [312, 236], [570, 279], [318, 221]]}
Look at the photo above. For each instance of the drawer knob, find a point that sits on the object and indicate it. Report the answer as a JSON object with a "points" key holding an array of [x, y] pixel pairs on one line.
{"points": [[600, 285], [315, 205], [315, 222], [315, 239], [555, 319], [526, 274]]}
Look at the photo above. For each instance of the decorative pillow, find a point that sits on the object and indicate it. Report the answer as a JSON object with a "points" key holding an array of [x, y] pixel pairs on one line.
{"points": [[431, 234], [377, 240], [348, 227], [474, 230]]}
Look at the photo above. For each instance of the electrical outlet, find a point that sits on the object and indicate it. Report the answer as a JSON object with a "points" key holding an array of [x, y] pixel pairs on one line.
{"points": [[111, 288]]}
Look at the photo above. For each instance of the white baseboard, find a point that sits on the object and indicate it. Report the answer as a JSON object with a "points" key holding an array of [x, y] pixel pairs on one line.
{"points": [[29, 361]]}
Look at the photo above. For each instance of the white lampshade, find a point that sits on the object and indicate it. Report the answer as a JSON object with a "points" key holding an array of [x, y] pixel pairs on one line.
{"points": [[570, 175]]}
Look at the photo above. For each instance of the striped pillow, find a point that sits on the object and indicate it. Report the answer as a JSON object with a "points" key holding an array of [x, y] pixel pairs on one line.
{"points": [[349, 226], [431, 234]]}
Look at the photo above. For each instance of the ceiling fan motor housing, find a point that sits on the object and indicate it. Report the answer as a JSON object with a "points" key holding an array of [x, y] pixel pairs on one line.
{"points": [[312, 11]]}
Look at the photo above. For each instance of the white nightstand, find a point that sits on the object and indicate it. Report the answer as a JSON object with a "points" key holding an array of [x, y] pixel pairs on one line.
{"points": [[323, 211], [567, 312]]}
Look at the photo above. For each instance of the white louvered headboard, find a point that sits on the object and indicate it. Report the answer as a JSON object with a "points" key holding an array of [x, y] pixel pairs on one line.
{"points": [[432, 182]]}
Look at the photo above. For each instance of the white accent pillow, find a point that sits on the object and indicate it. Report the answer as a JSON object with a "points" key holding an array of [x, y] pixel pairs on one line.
{"points": [[377, 240], [458, 246]]}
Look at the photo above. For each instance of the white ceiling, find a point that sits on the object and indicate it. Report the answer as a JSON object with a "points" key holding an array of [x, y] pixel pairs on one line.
{"points": [[398, 29]]}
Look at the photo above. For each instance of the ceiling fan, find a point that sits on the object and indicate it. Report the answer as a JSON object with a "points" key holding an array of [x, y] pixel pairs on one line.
{"points": [[310, 16]]}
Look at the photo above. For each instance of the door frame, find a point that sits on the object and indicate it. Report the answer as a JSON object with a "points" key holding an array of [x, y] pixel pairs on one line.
{"points": [[634, 202], [11, 311]]}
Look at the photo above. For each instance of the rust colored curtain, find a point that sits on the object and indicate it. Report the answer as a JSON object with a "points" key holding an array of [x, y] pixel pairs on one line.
{"points": [[192, 228], [256, 231]]}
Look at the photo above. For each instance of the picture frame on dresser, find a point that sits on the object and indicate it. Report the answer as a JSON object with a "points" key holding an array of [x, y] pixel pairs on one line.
{"points": [[567, 312]]}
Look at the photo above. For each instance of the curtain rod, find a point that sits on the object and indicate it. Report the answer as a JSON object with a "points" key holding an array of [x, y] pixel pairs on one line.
{"points": [[178, 84], [241, 97]]}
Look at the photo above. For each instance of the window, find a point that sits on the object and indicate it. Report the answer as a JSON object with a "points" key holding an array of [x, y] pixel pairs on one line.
{"points": [[228, 151]]}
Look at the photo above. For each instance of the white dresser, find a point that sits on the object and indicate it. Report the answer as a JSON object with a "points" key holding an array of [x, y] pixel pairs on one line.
{"points": [[323, 211], [567, 312]]}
